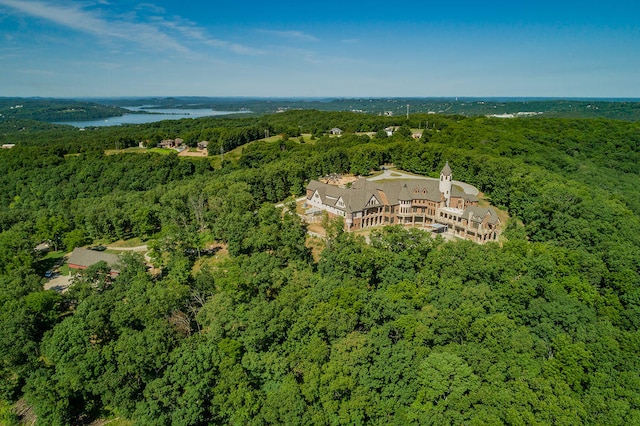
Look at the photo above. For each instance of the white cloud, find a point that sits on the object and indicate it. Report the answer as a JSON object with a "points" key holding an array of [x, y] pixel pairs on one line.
{"points": [[148, 35], [195, 33], [150, 6], [293, 35], [76, 18]]}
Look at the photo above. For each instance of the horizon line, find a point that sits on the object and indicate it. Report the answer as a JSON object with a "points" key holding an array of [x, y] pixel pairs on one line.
{"points": [[246, 97]]}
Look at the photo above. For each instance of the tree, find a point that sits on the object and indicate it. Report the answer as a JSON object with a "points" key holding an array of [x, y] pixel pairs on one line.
{"points": [[381, 134], [75, 238], [446, 393], [52, 229], [403, 131]]}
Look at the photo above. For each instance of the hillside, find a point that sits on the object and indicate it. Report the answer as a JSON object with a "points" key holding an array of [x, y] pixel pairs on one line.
{"points": [[49, 110], [620, 109], [54, 110], [243, 326]]}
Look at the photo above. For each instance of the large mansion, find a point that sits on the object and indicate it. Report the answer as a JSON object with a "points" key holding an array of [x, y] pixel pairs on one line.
{"points": [[436, 205]]}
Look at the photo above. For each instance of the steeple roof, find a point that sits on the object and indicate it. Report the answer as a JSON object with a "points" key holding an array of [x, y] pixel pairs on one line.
{"points": [[404, 195], [446, 170]]}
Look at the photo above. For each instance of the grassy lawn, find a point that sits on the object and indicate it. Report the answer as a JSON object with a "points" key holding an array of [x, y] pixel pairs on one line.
{"points": [[120, 151], [51, 261], [64, 269], [138, 150], [133, 242], [307, 138], [163, 151], [235, 154], [55, 255]]}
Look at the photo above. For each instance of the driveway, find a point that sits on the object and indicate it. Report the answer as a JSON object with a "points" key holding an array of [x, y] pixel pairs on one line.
{"points": [[394, 174], [139, 248], [59, 283], [143, 249]]}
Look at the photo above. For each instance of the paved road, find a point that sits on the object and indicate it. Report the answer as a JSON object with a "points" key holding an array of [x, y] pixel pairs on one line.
{"points": [[143, 248], [469, 189], [394, 174], [138, 248]]}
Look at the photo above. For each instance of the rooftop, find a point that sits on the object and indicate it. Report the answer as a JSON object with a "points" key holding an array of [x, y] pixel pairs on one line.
{"points": [[85, 257]]}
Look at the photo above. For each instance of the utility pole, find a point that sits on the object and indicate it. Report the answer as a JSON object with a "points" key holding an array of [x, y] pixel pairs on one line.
{"points": [[407, 111]]}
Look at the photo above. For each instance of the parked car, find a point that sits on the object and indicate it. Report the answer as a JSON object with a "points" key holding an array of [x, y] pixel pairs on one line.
{"points": [[48, 274], [98, 248]]}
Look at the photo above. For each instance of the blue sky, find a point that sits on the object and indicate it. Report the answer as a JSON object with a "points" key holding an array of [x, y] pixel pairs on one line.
{"points": [[71, 48]]}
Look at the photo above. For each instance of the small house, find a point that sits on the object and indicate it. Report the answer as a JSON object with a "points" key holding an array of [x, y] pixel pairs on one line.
{"points": [[82, 258]]}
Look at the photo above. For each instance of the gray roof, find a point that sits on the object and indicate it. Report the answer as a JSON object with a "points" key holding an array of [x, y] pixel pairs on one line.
{"points": [[364, 193], [446, 170], [356, 198], [419, 189], [457, 191], [86, 257], [404, 194], [477, 214]]}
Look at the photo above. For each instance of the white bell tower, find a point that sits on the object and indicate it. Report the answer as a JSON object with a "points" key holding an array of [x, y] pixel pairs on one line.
{"points": [[445, 183]]}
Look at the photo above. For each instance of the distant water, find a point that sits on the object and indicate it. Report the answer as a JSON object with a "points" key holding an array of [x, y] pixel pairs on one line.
{"points": [[159, 115]]}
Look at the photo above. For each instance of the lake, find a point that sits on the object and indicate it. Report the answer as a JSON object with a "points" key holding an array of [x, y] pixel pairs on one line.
{"points": [[141, 118]]}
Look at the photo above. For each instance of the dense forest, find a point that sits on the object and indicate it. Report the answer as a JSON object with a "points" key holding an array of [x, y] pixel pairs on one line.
{"points": [[60, 110], [43, 109], [541, 328], [628, 109]]}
